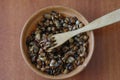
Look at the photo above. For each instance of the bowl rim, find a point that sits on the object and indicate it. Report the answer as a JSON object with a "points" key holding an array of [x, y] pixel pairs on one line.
{"points": [[21, 42]]}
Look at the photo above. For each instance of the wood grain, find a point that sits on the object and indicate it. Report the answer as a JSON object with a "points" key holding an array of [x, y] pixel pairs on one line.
{"points": [[105, 63]]}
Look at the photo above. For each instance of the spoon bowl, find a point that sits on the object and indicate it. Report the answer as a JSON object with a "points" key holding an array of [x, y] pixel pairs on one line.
{"points": [[30, 26]]}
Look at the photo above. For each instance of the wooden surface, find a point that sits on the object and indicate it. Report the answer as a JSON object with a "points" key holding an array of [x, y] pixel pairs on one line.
{"points": [[105, 63]]}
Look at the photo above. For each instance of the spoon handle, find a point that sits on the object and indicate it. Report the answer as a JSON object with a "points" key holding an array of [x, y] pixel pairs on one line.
{"points": [[103, 21]]}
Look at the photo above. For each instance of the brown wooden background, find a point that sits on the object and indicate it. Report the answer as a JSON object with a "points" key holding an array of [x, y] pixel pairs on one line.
{"points": [[105, 63]]}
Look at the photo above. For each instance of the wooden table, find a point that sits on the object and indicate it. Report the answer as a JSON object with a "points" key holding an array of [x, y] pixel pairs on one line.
{"points": [[105, 63]]}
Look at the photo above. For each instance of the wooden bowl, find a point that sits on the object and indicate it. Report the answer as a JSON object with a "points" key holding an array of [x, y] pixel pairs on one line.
{"points": [[30, 26]]}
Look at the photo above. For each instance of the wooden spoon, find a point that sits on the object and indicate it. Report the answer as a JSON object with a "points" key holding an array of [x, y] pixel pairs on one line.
{"points": [[103, 21]]}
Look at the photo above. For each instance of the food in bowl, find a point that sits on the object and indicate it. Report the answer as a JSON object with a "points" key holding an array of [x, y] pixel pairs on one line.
{"points": [[64, 58]]}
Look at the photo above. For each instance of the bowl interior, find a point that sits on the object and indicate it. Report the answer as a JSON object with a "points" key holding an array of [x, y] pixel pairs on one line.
{"points": [[30, 26]]}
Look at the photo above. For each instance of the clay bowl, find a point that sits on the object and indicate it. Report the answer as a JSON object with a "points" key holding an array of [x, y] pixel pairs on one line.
{"points": [[30, 26]]}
